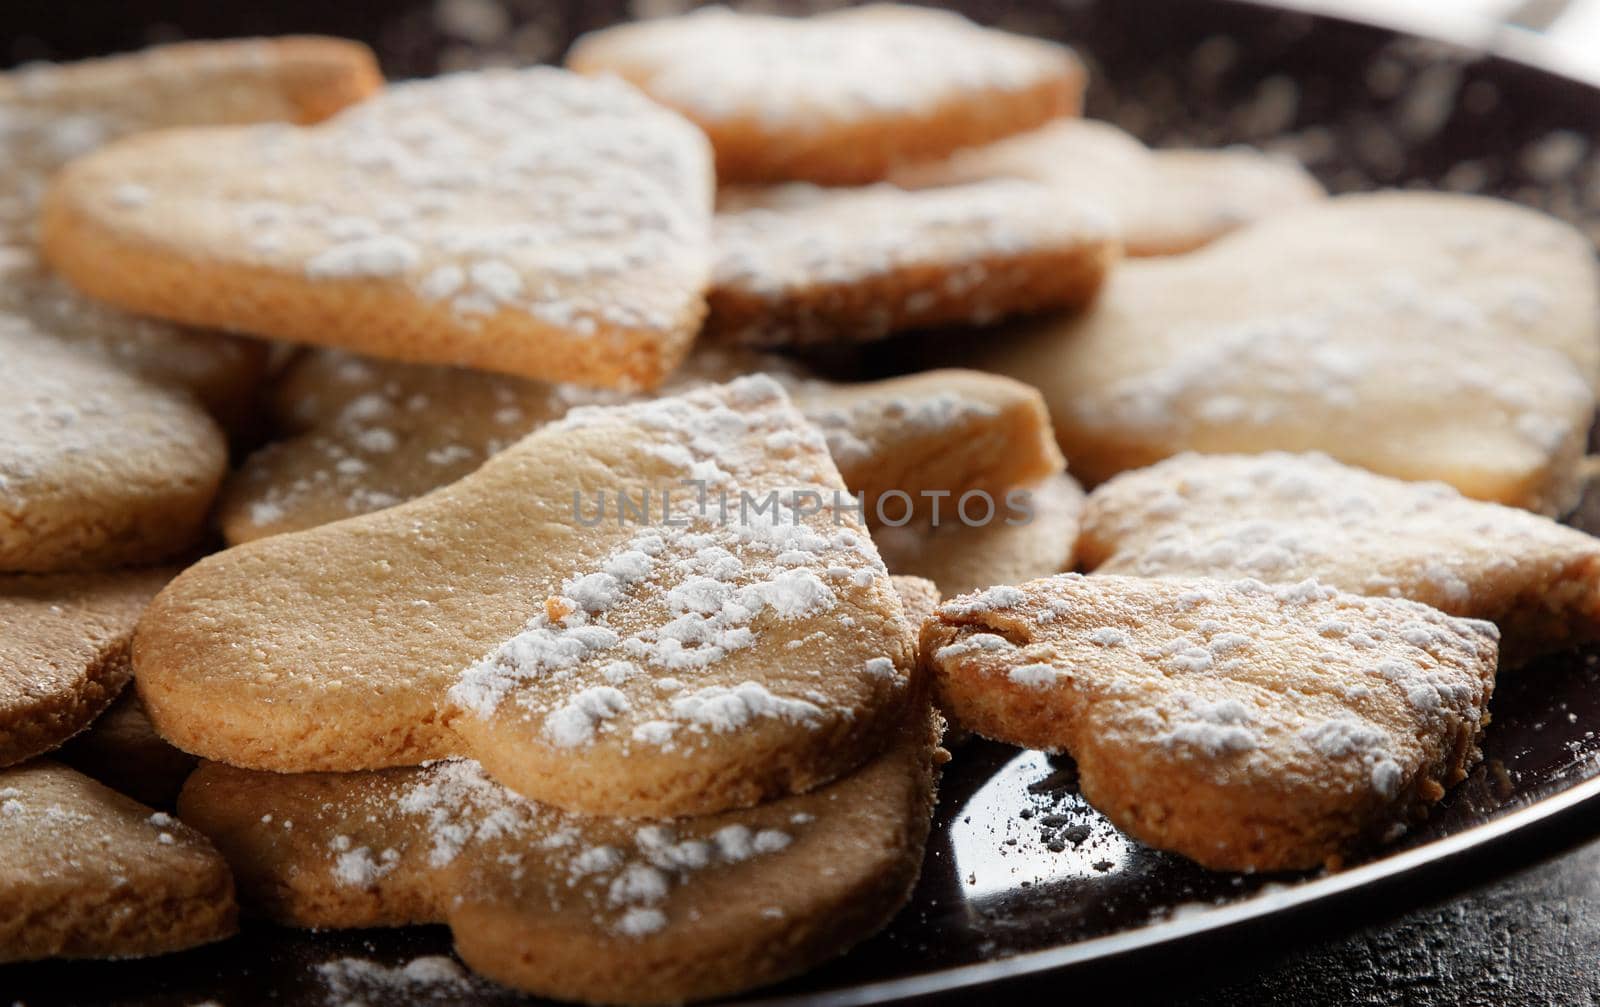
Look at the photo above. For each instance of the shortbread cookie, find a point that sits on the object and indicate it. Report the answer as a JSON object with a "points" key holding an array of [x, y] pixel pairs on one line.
{"points": [[51, 113], [526, 221], [798, 264], [88, 873], [1246, 727], [943, 432], [1283, 518], [1375, 328], [593, 909], [603, 660], [64, 652], [1032, 534], [1164, 201], [371, 434], [122, 750], [98, 468], [223, 372], [842, 97]]}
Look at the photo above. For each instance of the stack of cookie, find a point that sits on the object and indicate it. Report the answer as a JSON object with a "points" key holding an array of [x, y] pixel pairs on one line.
{"points": [[115, 444], [555, 604]]}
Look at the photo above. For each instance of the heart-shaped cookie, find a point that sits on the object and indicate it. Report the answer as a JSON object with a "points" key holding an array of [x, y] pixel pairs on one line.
{"points": [[798, 264], [841, 97], [530, 221], [1283, 518], [1247, 727], [1375, 328], [605, 648], [580, 908], [1163, 201]]}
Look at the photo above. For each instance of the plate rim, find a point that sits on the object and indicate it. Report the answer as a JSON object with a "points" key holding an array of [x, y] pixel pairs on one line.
{"points": [[1551, 811]]}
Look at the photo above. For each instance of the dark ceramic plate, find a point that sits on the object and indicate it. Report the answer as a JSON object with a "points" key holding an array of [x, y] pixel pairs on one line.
{"points": [[1022, 879]]}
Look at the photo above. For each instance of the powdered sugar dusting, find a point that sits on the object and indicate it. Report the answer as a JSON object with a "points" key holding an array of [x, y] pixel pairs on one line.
{"points": [[1287, 685], [944, 247], [843, 66], [533, 191], [627, 878], [1285, 517], [655, 643]]}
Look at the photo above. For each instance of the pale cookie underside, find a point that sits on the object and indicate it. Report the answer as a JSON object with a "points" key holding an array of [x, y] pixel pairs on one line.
{"points": [[961, 558], [581, 642], [1246, 727], [797, 264], [1381, 343], [580, 908], [88, 873], [1163, 201], [1284, 518], [529, 222], [98, 468], [838, 98]]}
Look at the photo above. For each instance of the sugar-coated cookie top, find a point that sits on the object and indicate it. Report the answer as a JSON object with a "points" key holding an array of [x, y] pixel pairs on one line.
{"points": [[450, 837], [1248, 682], [852, 418], [839, 66], [1374, 327], [1283, 517], [531, 190], [460, 811], [1269, 515], [627, 636], [788, 238], [65, 411], [1163, 201], [51, 113], [374, 433]]}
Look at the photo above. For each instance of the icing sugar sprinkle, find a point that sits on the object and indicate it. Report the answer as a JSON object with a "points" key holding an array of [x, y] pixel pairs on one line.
{"points": [[639, 646], [352, 982], [627, 879], [533, 190], [841, 65]]}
